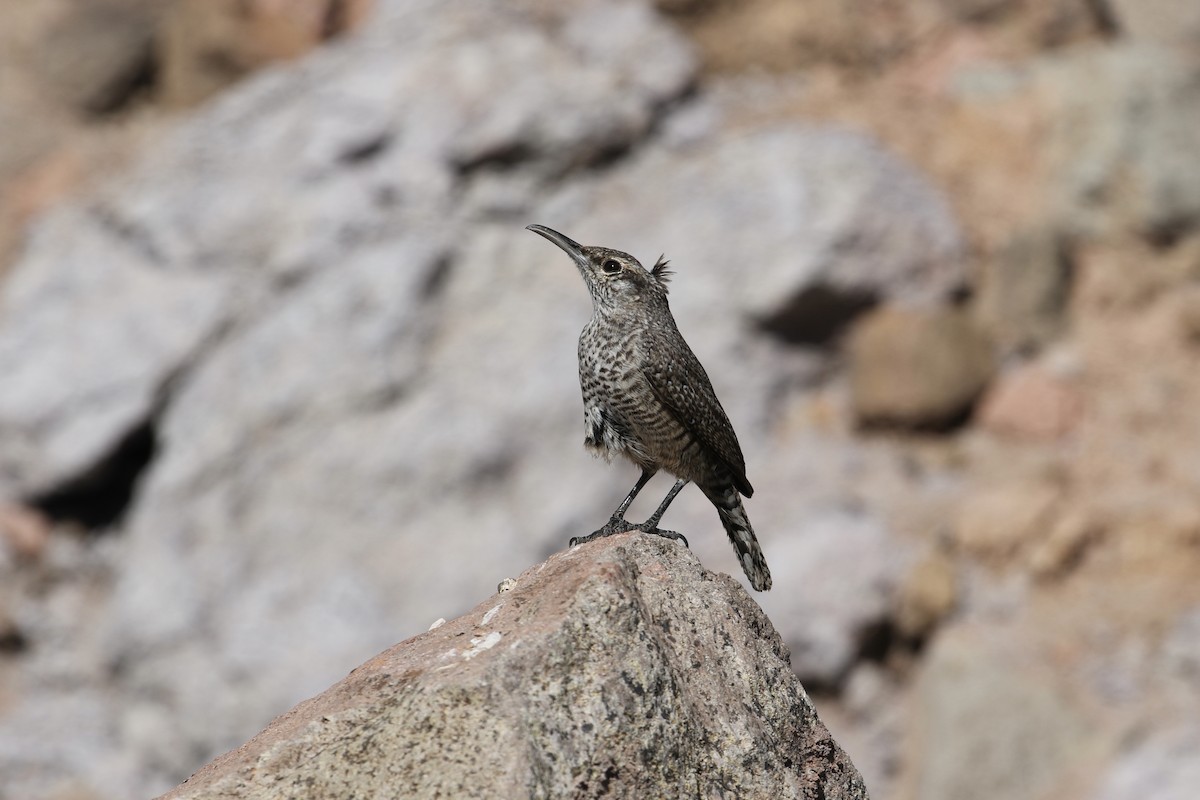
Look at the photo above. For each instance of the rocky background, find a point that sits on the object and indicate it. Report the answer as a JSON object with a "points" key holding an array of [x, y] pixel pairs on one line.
{"points": [[283, 379]]}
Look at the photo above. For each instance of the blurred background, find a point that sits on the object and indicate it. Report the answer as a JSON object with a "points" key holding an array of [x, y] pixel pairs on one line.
{"points": [[283, 379]]}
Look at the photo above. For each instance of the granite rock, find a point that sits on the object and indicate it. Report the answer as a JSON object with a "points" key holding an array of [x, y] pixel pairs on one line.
{"points": [[621, 668]]}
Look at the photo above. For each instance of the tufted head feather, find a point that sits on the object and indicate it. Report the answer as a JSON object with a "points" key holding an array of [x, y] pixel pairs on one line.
{"points": [[661, 272]]}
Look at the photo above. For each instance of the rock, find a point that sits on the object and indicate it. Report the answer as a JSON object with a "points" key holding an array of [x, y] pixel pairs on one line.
{"points": [[926, 596], [1154, 532], [170, 237], [785, 36], [1096, 140], [95, 54], [621, 668], [1024, 291], [32, 133], [1129, 275], [1044, 25], [65, 411], [996, 521], [66, 65], [1030, 402], [12, 639], [1189, 314], [851, 568], [1003, 728], [1172, 22], [917, 369], [876, 715], [208, 44], [1165, 764], [1064, 544], [866, 37], [976, 10], [1181, 652], [23, 531], [825, 222], [1118, 169]]}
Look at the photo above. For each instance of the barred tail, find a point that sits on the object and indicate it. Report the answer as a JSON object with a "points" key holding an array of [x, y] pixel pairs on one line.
{"points": [[741, 535]]}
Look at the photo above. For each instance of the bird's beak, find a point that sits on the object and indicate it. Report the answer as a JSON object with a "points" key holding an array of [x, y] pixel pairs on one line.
{"points": [[571, 247]]}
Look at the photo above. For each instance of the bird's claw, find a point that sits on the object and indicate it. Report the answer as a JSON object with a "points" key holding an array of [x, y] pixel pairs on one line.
{"points": [[617, 525], [614, 526], [679, 537]]}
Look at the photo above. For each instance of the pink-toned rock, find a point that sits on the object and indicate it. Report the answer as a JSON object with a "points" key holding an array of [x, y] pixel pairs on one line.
{"points": [[1031, 403], [622, 668], [23, 530], [996, 521], [208, 44]]}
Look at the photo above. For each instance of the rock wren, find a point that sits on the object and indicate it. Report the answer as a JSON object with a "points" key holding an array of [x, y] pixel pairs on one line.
{"points": [[646, 397]]}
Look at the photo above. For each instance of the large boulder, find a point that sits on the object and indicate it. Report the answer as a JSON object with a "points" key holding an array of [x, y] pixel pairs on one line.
{"points": [[282, 180], [618, 669]]}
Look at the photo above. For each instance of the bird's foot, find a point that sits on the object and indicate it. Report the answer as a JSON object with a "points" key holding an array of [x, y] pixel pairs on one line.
{"points": [[613, 526], [655, 531], [617, 525]]}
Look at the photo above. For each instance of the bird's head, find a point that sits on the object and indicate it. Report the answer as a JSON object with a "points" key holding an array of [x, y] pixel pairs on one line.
{"points": [[614, 279]]}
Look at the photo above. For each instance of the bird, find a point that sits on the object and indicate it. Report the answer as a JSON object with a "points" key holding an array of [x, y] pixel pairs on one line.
{"points": [[647, 398]]}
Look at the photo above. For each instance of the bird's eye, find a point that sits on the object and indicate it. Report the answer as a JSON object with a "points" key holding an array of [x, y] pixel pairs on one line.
{"points": [[610, 267]]}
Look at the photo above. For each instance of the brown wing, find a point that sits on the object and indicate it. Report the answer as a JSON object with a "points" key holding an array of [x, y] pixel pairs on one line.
{"points": [[681, 384]]}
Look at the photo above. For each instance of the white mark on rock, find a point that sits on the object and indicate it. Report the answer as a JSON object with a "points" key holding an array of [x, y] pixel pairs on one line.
{"points": [[491, 614], [481, 643], [437, 623]]}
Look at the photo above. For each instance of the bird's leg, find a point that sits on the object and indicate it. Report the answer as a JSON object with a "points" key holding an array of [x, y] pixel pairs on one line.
{"points": [[651, 525], [619, 514], [617, 523]]}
